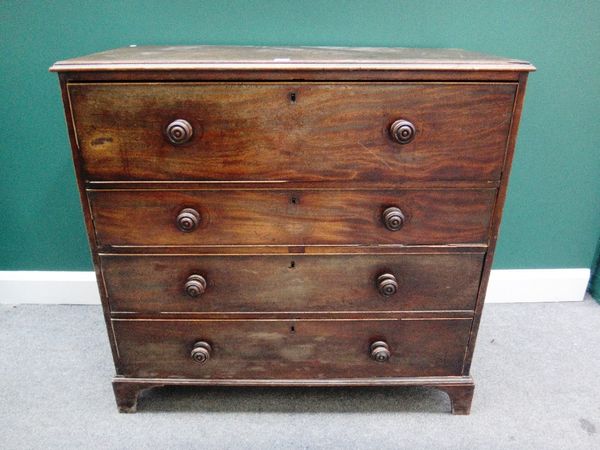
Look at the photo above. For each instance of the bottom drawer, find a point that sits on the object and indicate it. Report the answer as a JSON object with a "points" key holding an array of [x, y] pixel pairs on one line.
{"points": [[291, 349]]}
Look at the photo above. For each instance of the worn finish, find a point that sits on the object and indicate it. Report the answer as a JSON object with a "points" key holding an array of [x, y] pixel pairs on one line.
{"points": [[290, 348], [287, 217], [252, 131], [228, 58], [295, 283], [292, 216]]}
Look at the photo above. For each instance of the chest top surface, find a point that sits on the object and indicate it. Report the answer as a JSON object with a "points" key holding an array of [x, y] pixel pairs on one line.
{"points": [[313, 58]]}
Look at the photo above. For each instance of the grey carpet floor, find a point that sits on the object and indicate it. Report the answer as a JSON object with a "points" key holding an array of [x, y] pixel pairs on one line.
{"points": [[536, 369]]}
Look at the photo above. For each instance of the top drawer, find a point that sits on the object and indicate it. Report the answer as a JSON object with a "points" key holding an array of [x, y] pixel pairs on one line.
{"points": [[291, 132]]}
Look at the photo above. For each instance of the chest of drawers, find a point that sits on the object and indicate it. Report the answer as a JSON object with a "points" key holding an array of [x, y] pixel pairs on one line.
{"points": [[292, 216]]}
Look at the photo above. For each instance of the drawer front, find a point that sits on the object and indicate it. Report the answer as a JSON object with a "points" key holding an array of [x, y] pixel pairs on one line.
{"points": [[281, 217], [271, 349], [302, 132], [292, 283]]}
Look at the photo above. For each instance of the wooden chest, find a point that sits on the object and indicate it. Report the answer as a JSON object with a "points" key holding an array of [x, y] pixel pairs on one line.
{"points": [[292, 216]]}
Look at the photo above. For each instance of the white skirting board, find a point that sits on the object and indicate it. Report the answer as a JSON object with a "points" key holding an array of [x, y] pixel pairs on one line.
{"points": [[49, 287], [537, 285], [506, 286]]}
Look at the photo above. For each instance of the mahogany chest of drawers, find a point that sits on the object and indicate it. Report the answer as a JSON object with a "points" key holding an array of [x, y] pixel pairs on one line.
{"points": [[292, 216]]}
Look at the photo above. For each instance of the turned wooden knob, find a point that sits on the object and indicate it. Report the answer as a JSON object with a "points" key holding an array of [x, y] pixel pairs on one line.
{"points": [[393, 218], [195, 285], [201, 352], [188, 220], [380, 351], [179, 132], [387, 284], [402, 131]]}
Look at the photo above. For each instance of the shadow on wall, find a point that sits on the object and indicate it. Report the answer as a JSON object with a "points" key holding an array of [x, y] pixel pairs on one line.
{"points": [[594, 286]]}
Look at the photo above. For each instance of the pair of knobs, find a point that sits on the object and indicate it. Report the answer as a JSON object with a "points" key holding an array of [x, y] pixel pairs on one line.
{"points": [[202, 350], [188, 219], [180, 131], [387, 285]]}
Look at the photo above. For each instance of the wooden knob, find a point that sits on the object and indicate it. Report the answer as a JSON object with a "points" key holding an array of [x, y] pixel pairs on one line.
{"points": [[195, 285], [201, 352], [387, 284], [402, 131], [393, 218], [188, 220], [380, 351], [179, 132]]}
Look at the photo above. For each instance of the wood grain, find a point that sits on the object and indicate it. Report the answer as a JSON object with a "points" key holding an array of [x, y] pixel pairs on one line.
{"points": [[272, 349], [281, 217], [258, 283], [290, 164], [254, 132]]}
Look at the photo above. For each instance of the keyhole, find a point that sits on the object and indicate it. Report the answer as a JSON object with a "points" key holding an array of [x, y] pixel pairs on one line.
{"points": [[292, 265], [293, 97], [294, 201], [292, 329]]}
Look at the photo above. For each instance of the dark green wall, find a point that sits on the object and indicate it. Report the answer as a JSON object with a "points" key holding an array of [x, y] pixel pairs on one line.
{"points": [[553, 210]]}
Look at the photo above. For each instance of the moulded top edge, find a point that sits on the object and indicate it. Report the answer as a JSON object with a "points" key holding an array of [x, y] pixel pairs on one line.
{"points": [[287, 58]]}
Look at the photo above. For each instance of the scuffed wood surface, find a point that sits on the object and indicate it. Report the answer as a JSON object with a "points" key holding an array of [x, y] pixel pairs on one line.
{"points": [[261, 283], [254, 132], [271, 349]]}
